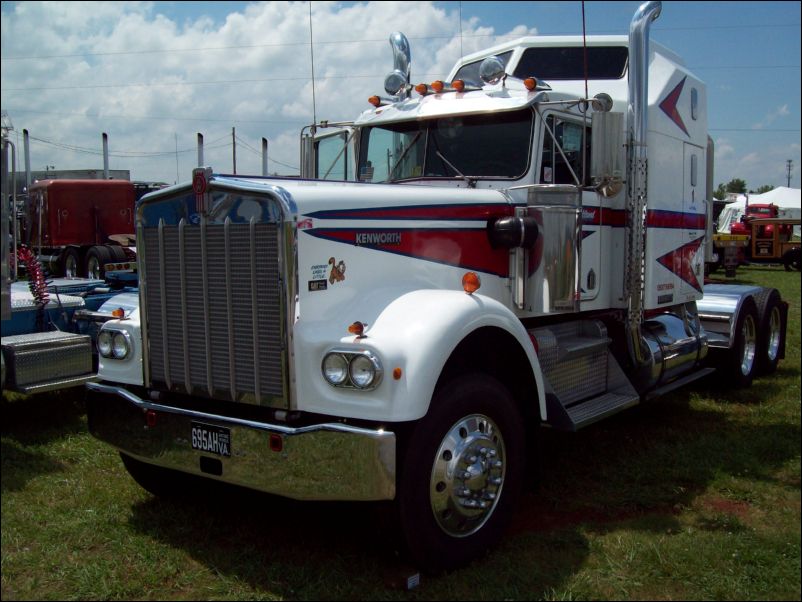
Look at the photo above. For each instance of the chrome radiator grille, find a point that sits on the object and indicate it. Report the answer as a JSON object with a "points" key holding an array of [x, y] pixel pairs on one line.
{"points": [[213, 301]]}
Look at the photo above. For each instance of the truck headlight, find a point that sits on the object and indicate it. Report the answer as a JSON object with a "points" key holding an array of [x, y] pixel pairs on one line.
{"points": [[363, 370], [104, 343], [120, 345], [335, 368], [354, 369]]}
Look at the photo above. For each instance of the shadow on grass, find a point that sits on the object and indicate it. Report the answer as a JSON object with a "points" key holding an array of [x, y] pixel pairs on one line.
{"points": [[640, 468], [655, 460], [29, 421]]}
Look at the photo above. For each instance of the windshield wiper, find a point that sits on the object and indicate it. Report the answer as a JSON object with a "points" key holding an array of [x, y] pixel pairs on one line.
{"points": [[471, 181]]}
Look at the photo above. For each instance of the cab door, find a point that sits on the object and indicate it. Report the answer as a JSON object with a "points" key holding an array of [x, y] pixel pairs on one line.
{"points": [[694, 211], [560, 168]]}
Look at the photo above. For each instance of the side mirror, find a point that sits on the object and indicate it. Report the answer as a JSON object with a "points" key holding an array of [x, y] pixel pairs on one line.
{"points": [[607, 153]]}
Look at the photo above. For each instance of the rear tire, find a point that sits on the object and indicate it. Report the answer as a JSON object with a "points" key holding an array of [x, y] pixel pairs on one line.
{"points": [[71, 266], [771, 333], [96, 258], [741, 362], [462, 474], [117, 253]]}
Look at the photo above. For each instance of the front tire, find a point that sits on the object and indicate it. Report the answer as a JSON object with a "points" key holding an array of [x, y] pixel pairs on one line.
{"points": [[462, 474], [793, 260]]}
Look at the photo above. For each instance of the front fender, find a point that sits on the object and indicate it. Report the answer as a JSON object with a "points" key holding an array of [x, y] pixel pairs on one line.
{"points": [[416, 333]]}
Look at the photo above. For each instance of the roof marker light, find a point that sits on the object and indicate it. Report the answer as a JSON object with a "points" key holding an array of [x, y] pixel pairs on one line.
{"points": [[438, 86], [375, 101], [530, 83], [458, 85], [422, 89]]}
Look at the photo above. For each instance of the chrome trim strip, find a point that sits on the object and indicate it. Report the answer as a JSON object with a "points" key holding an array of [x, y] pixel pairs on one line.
{"points": [[254, 311], [715, 317], [182, 266], [232, 366], [57, 384], [206, 320], [163, 297], [142, 251]]}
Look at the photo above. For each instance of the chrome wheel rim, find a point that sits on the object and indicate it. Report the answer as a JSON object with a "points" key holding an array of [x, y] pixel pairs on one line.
{"points": [[467, 475], [93, 268], [775, 332], [70, 266], [749, 336]]}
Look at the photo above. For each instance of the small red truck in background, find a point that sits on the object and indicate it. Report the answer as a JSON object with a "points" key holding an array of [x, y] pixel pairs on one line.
{"points": [[77, 226], [754, 211]]}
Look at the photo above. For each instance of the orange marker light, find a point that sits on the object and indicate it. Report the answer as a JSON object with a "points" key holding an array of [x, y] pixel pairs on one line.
{"points": [[397, 373], [118, 313], [357, 328], [422, 89], [375, 101], [530, 83], [458, 85], [438, 86], [471, 282]]}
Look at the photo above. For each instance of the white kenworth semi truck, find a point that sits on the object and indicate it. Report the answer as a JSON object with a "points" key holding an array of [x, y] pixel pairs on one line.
{"points": [[513, 252]]}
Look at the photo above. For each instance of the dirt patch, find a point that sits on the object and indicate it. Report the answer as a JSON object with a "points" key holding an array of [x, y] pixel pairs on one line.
{"points": [[740, 510]]}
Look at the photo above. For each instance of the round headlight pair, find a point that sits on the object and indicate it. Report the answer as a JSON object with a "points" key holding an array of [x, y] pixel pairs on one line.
{"points": [[113, 343], [360, 369]]}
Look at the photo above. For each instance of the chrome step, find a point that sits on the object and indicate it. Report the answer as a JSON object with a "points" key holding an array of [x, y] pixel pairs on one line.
{"points": [[589, 411]]}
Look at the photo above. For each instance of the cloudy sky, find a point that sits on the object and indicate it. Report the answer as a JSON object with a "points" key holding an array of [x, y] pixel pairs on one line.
{"points": [[154, 74]]}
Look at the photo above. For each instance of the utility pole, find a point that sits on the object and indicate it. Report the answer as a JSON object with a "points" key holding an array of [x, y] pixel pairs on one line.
{"points": [[788, 165], [234, 148]]}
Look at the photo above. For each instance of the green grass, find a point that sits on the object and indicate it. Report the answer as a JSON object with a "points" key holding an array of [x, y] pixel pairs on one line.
{"points": [[693, 496]]}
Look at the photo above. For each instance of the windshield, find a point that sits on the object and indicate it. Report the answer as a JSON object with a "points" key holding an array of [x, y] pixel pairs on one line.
{"points": [[493, 145]]}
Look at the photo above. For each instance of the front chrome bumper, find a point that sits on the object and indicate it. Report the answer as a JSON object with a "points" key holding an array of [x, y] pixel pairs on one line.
{"points": [[328, 461]]}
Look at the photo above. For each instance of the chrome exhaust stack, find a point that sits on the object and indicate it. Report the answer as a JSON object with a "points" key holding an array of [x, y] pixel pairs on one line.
{"points": [[637, 127], [397, 83]]}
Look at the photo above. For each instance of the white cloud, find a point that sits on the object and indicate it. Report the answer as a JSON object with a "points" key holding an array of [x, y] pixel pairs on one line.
{"points": [[772, 116], [149, 80], [125, 69]]}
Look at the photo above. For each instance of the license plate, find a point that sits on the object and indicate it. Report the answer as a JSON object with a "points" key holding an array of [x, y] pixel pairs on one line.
{"points": [[211, 439]]}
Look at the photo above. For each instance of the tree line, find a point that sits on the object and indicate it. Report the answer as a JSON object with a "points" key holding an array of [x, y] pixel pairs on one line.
{"points": [[738, 186]]}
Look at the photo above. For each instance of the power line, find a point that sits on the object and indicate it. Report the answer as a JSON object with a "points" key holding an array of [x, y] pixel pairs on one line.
{"points": [[752, 130], [259, 153], [121, 154], [197, 83], [374, 41], [332, 77], [159, 118]]}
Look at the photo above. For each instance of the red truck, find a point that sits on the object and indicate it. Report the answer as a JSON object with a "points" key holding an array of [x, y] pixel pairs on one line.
{"points": [[754, 211], [77, 226]]}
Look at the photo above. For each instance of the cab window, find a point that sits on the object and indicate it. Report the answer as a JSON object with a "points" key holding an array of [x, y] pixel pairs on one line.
{"points": [[556, 167]]}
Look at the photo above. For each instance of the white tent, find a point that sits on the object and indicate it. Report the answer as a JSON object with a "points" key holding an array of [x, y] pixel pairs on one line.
{"points": [[788, 200]]}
